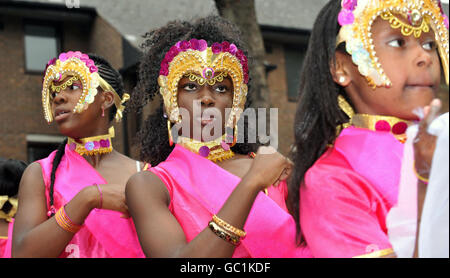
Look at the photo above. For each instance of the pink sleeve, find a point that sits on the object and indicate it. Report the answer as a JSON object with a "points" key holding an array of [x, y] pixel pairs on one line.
{"points": [[279, 194], [341, 215]]}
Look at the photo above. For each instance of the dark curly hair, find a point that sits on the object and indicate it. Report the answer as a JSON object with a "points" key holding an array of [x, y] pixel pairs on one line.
{"points": [[153, 137], [318, 113]]}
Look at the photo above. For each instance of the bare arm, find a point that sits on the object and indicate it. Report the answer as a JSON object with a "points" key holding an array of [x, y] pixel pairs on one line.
{"points": [[161, 235], [34, 234]]}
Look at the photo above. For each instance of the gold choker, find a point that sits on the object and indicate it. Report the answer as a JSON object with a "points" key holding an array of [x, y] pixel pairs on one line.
{"points": [[390, 124], [92, 145], [216, 150]]}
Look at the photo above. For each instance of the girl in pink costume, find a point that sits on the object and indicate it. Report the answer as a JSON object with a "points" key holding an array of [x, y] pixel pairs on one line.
{"points": [[205, 198], [369, 65], [73, 202]]}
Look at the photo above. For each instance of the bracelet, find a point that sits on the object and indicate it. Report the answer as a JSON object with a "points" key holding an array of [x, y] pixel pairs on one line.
{"points": [[419, 177], [101, 196], [238, 232], [228, 237], [65, 222]]}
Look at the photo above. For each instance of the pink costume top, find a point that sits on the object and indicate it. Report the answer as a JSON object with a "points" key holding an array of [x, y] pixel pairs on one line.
{"points": [[348, 193], [104, 233], [5, 242], [198, 189]]}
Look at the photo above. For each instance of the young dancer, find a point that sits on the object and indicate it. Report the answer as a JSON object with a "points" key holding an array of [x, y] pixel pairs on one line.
{"points": [[205, 198], [73, 201], [369, 66]]}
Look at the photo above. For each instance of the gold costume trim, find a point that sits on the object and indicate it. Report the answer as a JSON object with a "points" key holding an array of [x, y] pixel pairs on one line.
{"points": [[376, 254]]}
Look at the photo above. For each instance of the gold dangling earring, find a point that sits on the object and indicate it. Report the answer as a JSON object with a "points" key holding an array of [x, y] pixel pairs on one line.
{"points": [[170, 133]]}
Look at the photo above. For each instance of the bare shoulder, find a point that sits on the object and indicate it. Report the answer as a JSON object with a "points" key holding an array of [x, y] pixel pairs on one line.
{"points": [[146, 185], [32, 177]]}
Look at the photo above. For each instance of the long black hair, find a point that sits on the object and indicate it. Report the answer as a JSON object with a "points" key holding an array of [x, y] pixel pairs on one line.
{"points": [[113, 77], [153, 136], [318, 113], [11, 171]]}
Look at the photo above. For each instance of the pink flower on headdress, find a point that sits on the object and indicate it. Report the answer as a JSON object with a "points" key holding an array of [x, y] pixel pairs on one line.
{"points": [[349, 4], [225, 46], [202, 45], [232, 49], [70, 54], [345, 17], [77, 54], [216, 48], [185, 45], [93, 69], [445, 20], [89, 63], [63, 57], [245, 70], [84, 58]]}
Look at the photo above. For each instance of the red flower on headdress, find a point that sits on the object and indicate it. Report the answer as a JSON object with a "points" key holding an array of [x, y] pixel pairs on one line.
{"points": [[239, 54], [216, 48], [51, 62], [225, 46], [93, 69], [185, 45], [194, 44], [164, 69]]}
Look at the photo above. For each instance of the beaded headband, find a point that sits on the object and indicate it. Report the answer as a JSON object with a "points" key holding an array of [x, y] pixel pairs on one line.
{"points": [[203, 64], [81, 68], [416, 16]]}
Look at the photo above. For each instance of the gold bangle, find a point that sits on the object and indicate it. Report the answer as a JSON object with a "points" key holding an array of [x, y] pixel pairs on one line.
{"points": [[64, 221], [240, 233], [419, 177], [223, 234]]}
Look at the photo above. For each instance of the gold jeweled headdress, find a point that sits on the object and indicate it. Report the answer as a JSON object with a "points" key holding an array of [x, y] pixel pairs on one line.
{"points": [[357, 17], [81, 68], [203, 64]]}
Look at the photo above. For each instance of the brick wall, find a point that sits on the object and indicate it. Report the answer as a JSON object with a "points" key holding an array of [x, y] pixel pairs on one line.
{"points": [[279, 98], [20, 92]]}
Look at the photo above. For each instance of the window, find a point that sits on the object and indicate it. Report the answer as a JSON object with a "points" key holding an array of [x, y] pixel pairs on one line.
{"points": [[40, 146], [294, 56], [41, 44]]}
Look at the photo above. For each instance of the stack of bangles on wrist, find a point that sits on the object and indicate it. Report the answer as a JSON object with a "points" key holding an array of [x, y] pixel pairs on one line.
{"points": [[65, 222], [419, 177], [226, 231]]}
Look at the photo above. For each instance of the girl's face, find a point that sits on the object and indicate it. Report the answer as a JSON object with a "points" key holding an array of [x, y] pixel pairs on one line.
{"points": [[215, 99], [413, 66], [75, 125]]}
